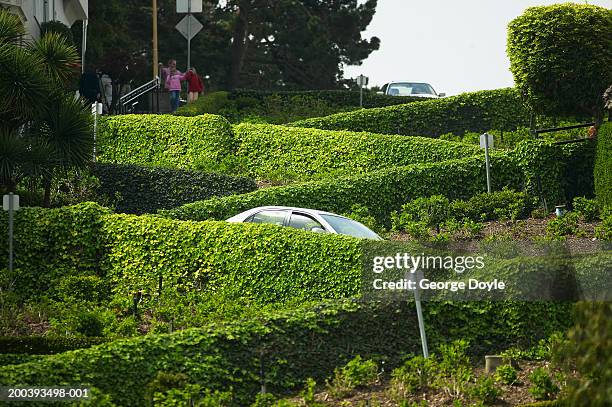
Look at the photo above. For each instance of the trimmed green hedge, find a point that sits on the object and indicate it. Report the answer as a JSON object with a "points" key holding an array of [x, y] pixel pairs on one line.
{"points": [[44, 345], [311, 153], [148, 189], [264, 263], [51, 244], [333, 97], [603, 166], [164, 140], [382, 191], [500, 109], [579, 160], [282, 349]]}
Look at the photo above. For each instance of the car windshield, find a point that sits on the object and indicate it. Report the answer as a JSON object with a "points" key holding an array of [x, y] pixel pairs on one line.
{"points": [[410, 88], [349, 227]]}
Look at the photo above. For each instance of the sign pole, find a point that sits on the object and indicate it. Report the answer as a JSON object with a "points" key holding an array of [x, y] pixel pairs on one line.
{"points": [[416, 278], [488, 163], [10, 232], [188, 34]]}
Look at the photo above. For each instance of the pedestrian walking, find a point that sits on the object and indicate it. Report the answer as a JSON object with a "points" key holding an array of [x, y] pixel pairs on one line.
{"points": [[88, 85], [173, 78], [195, 85]]}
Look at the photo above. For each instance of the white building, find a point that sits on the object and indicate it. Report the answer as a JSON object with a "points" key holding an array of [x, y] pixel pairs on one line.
{"points": [[35, 12]]}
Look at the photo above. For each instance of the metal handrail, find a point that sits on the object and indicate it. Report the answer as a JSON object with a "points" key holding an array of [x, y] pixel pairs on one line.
{"points": [[138, 92]]}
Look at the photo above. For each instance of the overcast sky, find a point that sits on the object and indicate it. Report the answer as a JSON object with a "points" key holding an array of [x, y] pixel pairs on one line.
{"points": [[455, 45]]}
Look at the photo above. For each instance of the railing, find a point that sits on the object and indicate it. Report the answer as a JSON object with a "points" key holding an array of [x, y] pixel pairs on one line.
{"points": [[128, 102]]}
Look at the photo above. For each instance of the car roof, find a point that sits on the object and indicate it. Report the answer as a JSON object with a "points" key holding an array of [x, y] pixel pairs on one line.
{"points": [[293, 208]]}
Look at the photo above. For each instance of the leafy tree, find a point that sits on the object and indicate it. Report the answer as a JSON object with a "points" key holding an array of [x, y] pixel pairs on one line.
{"points": [[560, 57], [42, 129]]}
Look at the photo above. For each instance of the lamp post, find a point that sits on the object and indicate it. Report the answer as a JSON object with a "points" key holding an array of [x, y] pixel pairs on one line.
{"points": [[155, 52]]}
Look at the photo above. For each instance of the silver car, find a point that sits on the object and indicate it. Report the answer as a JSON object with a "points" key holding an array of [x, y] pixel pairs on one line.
{"points": [[305, 219], [405, 88]]}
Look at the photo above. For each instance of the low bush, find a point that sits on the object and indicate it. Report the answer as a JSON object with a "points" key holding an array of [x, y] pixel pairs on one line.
{"points": [[164, 140], [542, 386], [356, 373], [587, 209], [500, 205], [604, 231], [143, 189], [500, 109], [603, 166], [506, 374], [562, 226], [484, 390], [381, 191], [310, 153], [416, 374]]}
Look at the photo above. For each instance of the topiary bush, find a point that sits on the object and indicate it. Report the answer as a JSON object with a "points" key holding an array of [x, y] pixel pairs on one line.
{"points": [[603, 166], [500, 109], [144, 189], [381, 191], [164, 140], [312, 153], [560, 56]]}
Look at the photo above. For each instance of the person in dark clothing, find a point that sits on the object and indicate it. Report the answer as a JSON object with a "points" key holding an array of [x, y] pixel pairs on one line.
{"points": [[89, 87]]}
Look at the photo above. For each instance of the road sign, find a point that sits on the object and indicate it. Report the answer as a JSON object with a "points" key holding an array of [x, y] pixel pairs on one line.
{"points": [[6, 205], [189, 26], [362, 80], [486, 140], [182, 6]]}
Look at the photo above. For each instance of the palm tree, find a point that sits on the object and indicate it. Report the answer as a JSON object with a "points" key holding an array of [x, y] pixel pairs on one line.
{"points": [[43, 128]]}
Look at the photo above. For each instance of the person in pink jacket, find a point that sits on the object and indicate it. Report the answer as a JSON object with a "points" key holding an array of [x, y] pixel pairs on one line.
{"points": [[173, 78]]}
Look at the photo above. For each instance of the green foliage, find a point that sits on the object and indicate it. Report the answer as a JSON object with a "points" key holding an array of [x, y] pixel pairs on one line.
{"points": [[484, 390], [147, 189], [83, 289], [313, 153], [52, 244], [500, 205], [431, 211], [589, 352], [90, 324], [164, 140], [45, 345], [560, 56], [506, 374], [604, 231], [603, 166], [542, 386], [562, 226], [587, 209], [362, 214], [414, 375], [58, 27], [543, 166], [356, 373], [477, 111], [381, 191], [291, 345], [579, 161]]}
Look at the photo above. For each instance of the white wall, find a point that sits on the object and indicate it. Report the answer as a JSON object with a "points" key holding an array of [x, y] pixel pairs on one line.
{"points": [[33, 14]]}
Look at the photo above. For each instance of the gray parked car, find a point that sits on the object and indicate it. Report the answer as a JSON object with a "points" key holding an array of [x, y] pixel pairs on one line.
{"points": [[305, 219]]}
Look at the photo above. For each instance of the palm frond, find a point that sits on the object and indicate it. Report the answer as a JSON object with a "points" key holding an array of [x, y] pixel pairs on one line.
{"points": [[67, 127], [23, 85], [11, 27], [60, 59]]}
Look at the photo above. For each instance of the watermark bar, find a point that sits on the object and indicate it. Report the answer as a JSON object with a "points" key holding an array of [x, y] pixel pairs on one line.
{"points": [[17, 393]]}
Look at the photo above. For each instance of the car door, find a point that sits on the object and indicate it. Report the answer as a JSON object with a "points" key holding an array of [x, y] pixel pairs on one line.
{"points": [[270, 216], [303, 221]]}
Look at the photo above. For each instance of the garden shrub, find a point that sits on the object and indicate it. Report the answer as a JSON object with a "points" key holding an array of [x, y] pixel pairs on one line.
{"points": [[579, 162], [382, 191], [164, 140], [265, 263], [587, 209], [51, 244], [313, 153], [144, 189], [506, 374], [286, 346], [562, 226], [500, 109], [542, 386], [484, 390], [560, 57], [333, 97], [499, 205], [356, 373], [604, 231], [603, 166]]}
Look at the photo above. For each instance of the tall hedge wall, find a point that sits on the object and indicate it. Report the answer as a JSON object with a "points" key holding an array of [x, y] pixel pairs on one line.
{"points": [[382, 191], [332, 97], [264, 263], [603, 165], [147, 189], [285, 348], [500, 109], [164, 140], [312, 153]]}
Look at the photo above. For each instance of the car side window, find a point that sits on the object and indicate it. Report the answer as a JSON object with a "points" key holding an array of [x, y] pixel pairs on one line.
{"points": [[271, 217], [304, 222]]}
